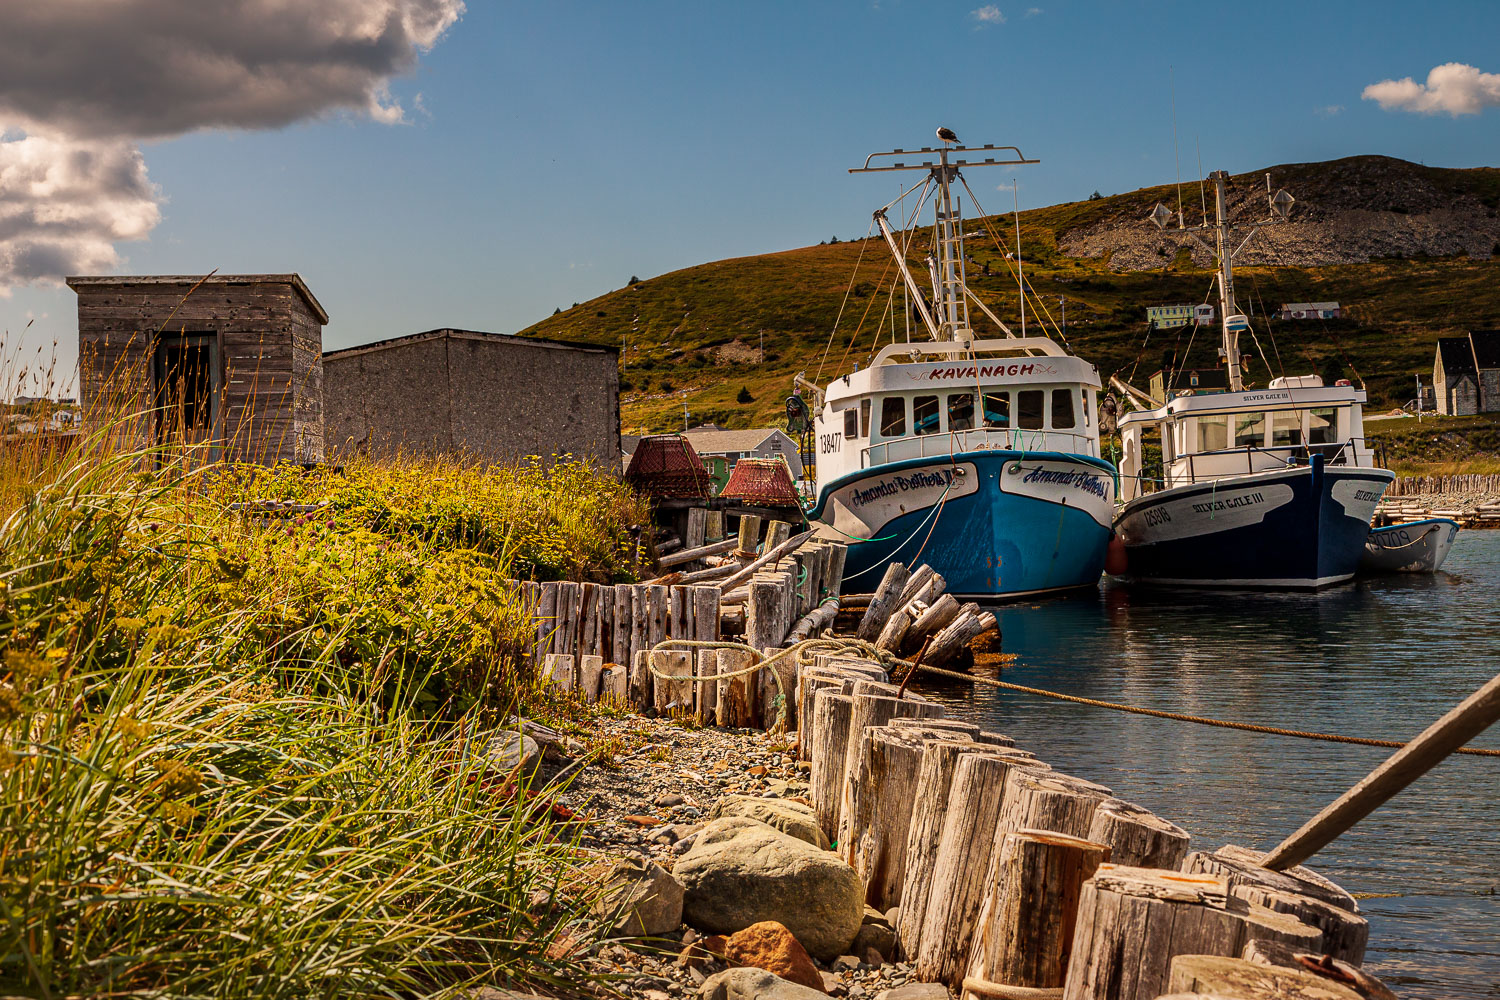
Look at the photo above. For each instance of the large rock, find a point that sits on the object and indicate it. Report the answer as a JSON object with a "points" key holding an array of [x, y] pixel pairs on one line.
{"points": [[642, 899], [770, 946], [755, 984], [791, 818], [741, 871]]}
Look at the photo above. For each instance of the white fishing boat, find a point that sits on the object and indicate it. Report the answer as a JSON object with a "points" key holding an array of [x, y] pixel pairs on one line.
{"points": [[1413, 547], [1260, 487], [976, 452]]}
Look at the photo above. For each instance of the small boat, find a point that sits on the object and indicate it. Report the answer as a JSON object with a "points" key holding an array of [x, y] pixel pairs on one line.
{"points": [[1414, 547], [1259, 487], [976, 452]]}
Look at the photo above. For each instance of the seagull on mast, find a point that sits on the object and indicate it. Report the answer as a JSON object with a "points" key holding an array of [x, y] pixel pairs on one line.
{"points": [[947, 134]]}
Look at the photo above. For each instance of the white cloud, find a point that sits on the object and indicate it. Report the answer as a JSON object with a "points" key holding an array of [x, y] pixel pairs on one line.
{"points": [[1329, 110], [1454, 88], [81, 80], [1033, 11], [65, 203], [987, 15]]}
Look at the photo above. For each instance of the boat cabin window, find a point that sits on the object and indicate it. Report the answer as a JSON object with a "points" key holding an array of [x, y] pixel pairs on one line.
{"points": [[1062, 408], [1030, 407], [851, 424], [925, 416], [996, 409], [1323, 425], [961, 411], [893, 416], [1249, 430], [864, 418], [1213, 433], [1286, 428], [1087, 417]]}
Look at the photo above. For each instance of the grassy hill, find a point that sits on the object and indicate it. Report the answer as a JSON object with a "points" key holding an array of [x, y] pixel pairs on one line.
{"points": [[1412, 252]]}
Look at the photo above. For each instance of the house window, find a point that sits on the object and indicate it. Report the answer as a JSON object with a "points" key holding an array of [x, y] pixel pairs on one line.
{"points": [[864, 418], [851, 424], [961, 411], [731, 457], [892, 416], [996, 409], [1031, 405], [1062, 408], [926, 418]]}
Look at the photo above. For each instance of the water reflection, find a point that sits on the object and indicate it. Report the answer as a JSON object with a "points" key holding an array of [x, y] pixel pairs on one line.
{"points": [[1379, 658]]}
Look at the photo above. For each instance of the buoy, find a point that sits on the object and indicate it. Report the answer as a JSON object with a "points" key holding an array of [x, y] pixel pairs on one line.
{"points": [[1116, 561]]}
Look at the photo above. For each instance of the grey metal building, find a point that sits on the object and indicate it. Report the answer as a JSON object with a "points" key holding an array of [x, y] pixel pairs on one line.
{"points": [[491, 396]]}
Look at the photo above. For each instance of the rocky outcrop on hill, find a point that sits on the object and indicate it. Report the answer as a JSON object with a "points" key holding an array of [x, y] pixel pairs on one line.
{"points": [[1347, 211]]}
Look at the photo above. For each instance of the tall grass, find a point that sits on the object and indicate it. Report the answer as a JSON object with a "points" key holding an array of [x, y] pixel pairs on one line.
{"points": [[242, 761]]}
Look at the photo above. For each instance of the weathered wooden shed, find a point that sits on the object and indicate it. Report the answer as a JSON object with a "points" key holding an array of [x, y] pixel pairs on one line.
{"points": [[489, 396], [231, 361]]}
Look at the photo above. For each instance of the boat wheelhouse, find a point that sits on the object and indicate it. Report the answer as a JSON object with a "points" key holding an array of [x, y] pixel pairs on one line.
{"points": [[977, 455], [1257, 488]]}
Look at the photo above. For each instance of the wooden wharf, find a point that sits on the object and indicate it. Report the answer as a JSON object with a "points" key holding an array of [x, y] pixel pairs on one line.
{"points": [[1009, 878]]}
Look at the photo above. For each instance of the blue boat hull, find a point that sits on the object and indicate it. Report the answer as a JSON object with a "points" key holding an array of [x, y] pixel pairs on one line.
{"points": [[1299, 528], [1011, 524]]}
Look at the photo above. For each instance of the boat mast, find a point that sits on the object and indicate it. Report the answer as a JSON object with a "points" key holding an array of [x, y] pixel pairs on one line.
{"points": [[1227, 308], [950, 312], [1233, 322]]}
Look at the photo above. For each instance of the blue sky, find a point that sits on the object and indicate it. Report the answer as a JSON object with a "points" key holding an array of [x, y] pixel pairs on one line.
{"points": [[551, 151]]}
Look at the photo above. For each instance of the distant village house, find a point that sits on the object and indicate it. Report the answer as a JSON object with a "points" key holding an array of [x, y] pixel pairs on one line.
{"points": [[1171, 317], [720, 449], [1466, 373], [1310, 310]]}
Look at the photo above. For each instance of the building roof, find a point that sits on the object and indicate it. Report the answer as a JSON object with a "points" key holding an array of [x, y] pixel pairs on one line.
{"points": [[295, 280], [717, 442], [453, 334], [1486, 348], [1456, 354]]}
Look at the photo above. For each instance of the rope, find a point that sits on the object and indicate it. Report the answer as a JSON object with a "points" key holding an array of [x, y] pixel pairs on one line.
{"points": [[806, 652], [1183, 717]]}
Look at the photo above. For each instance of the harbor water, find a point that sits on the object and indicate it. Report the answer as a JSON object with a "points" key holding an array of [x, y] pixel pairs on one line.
{"points": [[1377, 658]]}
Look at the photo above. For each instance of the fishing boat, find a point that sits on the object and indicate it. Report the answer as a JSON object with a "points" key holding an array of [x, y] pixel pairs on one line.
{"points": [[1413, 547], [1259, 487], [976, 452]]}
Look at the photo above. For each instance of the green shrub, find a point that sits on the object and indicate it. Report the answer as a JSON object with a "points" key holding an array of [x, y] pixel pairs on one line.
{"points": [[213, 777]]}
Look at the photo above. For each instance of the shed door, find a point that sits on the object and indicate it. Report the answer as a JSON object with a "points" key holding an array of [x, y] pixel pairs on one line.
{"points": [[188, 389]]}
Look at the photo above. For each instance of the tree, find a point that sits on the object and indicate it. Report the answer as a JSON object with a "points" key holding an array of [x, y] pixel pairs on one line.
{"points": [[744, 396], [633, 281], [1096, 196], [557, 310]]}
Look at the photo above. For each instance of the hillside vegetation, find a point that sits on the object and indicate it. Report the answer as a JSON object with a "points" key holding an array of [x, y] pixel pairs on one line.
{"points": [[1410, 251]]}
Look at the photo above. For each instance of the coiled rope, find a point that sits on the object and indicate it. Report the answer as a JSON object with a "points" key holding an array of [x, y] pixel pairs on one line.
{"points": [[807, 651]]}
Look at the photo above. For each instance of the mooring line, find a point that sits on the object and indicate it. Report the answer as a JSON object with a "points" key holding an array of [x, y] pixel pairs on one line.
{"points": [[1183, 717], [805, 652]]}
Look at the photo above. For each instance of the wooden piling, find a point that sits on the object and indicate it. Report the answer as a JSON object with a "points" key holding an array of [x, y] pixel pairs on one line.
{"points": [[884, 603], [734, 706], [1125, 914], [590, 674], [831, 712], [1025, 930], [1137, 836], [961, 865], [1212, 975], [749, 535], [697, 527]]}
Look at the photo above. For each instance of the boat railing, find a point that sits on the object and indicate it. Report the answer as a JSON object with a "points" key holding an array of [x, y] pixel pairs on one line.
{"points": [[978, 439], [1271, 459]]}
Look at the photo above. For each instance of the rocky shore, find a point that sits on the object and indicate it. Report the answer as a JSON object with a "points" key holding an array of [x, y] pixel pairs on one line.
{"points": [[700, 830]]}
